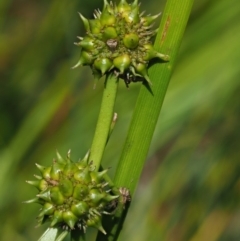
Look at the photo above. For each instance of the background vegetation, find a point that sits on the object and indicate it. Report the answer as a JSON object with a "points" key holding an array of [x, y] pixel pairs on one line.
{"points": [[190, 187]]}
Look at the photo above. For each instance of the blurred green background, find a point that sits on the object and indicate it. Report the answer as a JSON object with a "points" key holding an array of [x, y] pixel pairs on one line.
{"points": [[190, 187]]}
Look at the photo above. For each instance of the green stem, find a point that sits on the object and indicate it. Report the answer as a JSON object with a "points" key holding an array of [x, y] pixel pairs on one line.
{"points": [[103, 130], [148, 106], [104, 120]]}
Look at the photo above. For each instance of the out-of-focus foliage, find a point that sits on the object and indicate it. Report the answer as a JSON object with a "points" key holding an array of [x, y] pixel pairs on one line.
{"points": [[190, 188]]}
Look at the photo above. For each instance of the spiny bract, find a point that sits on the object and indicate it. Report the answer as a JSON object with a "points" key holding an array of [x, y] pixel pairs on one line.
{"points": [[118, 39], [72, 194]]}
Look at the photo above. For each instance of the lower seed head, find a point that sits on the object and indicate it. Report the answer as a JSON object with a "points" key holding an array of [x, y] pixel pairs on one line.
{"points": [[75, 198]]}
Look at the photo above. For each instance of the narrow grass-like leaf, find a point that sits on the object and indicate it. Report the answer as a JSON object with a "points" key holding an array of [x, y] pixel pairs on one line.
{"points": [[149, 104]]}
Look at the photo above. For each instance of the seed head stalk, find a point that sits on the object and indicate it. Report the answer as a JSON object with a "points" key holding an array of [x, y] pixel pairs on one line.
{"points": [[104, 120]]}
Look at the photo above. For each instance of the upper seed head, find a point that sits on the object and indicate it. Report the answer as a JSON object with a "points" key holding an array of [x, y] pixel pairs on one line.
{"points": [[119, 35]]}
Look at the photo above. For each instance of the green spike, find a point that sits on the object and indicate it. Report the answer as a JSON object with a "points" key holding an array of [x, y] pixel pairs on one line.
{"points": [[83, 176], [86, 157], [107, 18], [44, 170], [77, 65], [163, 56], [60, 159], [34, 200], [110, 198], [70, 169], [108, 7], [85, 59], [152, 53], [95, 196], [69, 154], [57, 217], [134, 71], [34, 183], [123, 7], [45, 195], [38, 177], [48, 209], [56, 169], [105, 4], [135, 3], [133, 16], [148, 20], [85, 22], [95, 26], [122, 62], [40, 168], [96, 222], [40, 184], [142, 70], [54, 222], [70, 219], [82, 164], [103, 64], [97, 177]]}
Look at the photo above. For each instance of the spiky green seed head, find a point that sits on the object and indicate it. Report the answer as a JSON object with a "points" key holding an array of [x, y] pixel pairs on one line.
{"points": [[72, 194], [118, 39]]}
